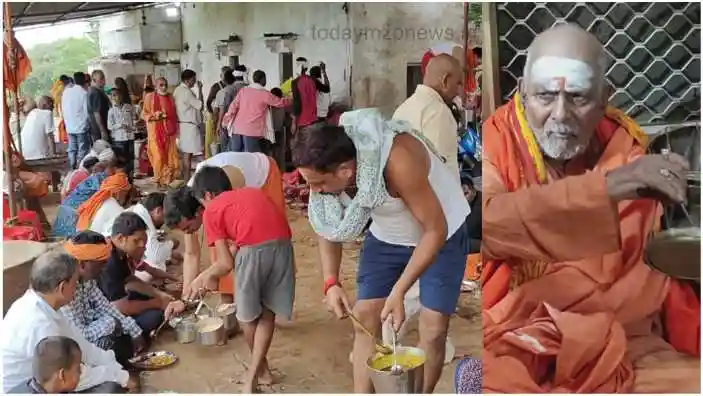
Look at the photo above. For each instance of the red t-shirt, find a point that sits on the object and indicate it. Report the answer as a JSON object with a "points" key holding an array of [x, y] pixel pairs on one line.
{"points": [[306, 93], [245, 216]]}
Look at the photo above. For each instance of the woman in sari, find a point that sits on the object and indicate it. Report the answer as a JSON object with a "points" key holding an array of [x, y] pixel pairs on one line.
{"points": [[74, 178], [66, 217]]}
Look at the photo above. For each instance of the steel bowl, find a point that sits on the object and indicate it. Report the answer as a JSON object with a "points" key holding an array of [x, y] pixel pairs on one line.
{"points": [[211, 331], [186, 331], [228, 314]]}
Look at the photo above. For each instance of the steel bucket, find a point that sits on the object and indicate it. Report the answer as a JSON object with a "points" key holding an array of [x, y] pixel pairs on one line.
{"points": [[211, 331], [410, 381], [186, 330], [228, 314]]}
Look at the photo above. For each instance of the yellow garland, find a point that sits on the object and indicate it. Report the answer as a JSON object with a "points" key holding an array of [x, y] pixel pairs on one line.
{"points": [[628, 123], [529, 137], [536, 153]]}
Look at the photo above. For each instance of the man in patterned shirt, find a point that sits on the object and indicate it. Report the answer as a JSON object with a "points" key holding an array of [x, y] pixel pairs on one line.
{"points": [[90, 311]]}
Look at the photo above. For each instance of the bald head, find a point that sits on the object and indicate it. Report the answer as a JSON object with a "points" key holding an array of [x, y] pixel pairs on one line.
{"points": [[161, 86], [443, 74], [45, 102], [563, 90], [563, 43], [28, 105]]}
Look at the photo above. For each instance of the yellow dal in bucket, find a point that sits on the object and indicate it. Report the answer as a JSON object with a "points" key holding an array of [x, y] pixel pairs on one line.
{"points": [[407, 361]]}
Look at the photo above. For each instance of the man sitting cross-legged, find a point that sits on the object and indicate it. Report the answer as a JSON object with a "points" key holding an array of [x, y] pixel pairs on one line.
{"points": [[36, 315], [159, 250], [56, 367], [90, 311], [263, 261], [130, 295]]}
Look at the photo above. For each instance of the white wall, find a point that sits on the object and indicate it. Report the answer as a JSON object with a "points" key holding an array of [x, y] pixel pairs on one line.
{"points": [[396, 34], [207, 23]]}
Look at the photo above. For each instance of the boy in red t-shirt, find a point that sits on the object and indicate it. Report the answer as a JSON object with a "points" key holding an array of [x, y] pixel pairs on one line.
{"points": [[263, 260]]}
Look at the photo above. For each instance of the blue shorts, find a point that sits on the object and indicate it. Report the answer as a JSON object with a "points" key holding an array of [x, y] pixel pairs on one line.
{"points": [[381, 264]]}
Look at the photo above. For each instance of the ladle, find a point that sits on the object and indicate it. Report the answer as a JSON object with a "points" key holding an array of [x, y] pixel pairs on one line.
{"points": [[384, 349], [688, 216], [153, 335], [203, 293], [396, 369]]}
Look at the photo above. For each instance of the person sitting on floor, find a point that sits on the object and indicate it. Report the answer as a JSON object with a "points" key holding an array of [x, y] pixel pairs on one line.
{"points": [[66, 216], [36, 315], [159, 250], [90, 311], [37, 133], [129, 294], [570, 200], [30, 185], [263, 261], [56, 367], [98, 212], [75, 177]]}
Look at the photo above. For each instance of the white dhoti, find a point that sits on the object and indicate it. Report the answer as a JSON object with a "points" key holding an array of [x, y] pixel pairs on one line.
{"points": [[189, 138]]}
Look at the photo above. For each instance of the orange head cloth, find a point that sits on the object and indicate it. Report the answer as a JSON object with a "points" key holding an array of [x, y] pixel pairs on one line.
{"points": [[113, 184], [88, 252]]}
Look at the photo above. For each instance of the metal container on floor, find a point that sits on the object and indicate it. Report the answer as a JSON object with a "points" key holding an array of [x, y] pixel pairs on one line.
{"points": [[409, 381], [211, 331], [228, 314], [186, 330]]}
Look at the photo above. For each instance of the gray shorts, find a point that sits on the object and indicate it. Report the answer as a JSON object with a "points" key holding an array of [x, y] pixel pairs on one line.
{"points": [[264, 277]]}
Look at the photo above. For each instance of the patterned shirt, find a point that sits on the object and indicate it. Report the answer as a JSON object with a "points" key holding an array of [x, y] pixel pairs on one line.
{"points": [[94, 316]]}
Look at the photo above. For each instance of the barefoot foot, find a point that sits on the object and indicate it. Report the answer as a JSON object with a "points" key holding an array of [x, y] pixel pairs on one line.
{"points": [[266, 377], [249, 387]]}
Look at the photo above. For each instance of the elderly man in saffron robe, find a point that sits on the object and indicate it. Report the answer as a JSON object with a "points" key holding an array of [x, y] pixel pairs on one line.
{"points": [[159, 113], [570, 198]]}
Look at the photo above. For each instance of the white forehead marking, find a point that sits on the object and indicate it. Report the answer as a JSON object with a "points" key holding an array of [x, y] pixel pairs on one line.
{"points": [[551, 72]]}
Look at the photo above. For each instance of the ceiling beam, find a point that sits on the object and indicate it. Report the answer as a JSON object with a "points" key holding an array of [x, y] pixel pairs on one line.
{"points": [[24, 11], [26, 8], [72, 10], [70, 15]]}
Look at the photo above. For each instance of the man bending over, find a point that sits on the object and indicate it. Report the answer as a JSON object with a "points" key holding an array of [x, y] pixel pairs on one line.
{"points": [[262, 261]]}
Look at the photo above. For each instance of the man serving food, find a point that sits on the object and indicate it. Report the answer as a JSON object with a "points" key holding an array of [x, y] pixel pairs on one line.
{"points": [[182, 212], [417, 233]]}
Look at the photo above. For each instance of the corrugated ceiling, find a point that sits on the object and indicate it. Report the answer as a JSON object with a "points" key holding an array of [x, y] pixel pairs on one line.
{"points": [[35, 13]]}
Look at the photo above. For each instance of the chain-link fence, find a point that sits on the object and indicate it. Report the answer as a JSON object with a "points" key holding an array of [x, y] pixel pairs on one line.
{"points": [[653, 51]]}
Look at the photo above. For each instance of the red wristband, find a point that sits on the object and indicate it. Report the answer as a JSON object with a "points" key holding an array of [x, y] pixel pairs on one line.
{"points": [[329, 282]]}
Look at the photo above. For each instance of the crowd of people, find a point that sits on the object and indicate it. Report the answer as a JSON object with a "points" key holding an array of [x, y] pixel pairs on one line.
{"points": [[104, 289], [110, 274], [555, 155]]}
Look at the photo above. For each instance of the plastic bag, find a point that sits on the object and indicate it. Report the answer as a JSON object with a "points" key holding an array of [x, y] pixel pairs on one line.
{"points": [[470, 144]]}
